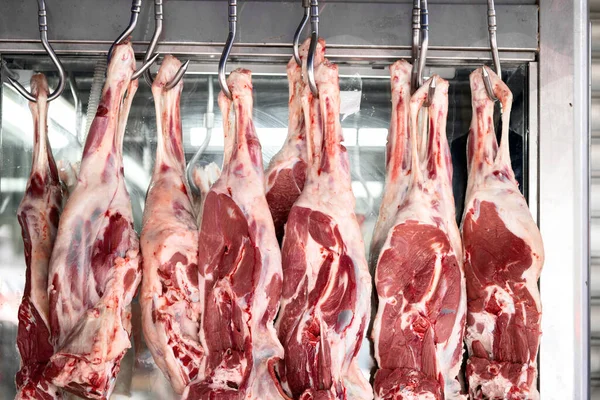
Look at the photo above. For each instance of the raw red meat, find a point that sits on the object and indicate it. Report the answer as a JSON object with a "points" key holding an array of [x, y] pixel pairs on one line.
{"points": [[503, 259], [418, 330], [170, 296], [38, 215], [240, 266], [94, 269], [286, 172], [327, 285]]}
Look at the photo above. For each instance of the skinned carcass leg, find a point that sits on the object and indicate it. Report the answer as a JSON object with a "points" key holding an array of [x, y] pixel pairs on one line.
{"points": [[504, 255], [240, 265], [286, 172], [94, 269], [397, 161], [418, 330], [327, 285], [38, 215], [170, 296]]}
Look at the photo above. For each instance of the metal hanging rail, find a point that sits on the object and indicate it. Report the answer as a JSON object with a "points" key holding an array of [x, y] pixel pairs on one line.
{"points": [[362, 32]]}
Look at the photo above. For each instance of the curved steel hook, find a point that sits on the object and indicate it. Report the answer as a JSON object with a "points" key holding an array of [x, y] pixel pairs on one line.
{"points": [[431, 92], [136, 7], [43, 25], [423, 51], [158, 26], [145, 66], [306, 5], [228, 46], [180, 72], [314, 39], [209, 122], [494, 47]]}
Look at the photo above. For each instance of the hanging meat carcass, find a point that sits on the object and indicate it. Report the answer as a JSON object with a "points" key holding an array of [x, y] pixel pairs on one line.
{"points": [[503, 259], [240, 266], [38, 215], [418, 330], [286, 172], [94, 269], [397, 177], [327, 286], [170, 296]]}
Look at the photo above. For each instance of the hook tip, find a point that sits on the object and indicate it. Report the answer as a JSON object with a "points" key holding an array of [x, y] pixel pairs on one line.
{"points": [[178, 76]]}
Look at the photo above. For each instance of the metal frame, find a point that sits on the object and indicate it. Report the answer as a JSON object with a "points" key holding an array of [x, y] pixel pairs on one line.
{"points": [[533, 144], [365, 24], [564, 198], [369, 32], [559, 105], [201, 53]]}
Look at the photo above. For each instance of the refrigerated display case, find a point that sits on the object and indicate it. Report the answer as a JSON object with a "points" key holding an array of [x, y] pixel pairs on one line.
{"points": [[547, 73]]}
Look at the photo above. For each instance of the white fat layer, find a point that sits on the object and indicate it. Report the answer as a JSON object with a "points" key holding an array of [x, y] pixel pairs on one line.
{"points": [[487, 322]]}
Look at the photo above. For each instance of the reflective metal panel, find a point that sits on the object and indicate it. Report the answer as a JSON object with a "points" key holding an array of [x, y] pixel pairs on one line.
{"points": [[564, 202]]}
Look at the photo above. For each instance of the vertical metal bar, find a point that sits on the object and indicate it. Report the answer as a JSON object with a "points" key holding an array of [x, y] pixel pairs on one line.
{"points": [[564, 198], [494, 49], [232, 10], [424, 40], [2, 198], [416, 43], [532, 144], [314, 39], [493, 39]]}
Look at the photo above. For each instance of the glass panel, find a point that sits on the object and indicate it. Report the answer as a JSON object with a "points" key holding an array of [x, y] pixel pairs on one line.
{"points": [[366, 108]]}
